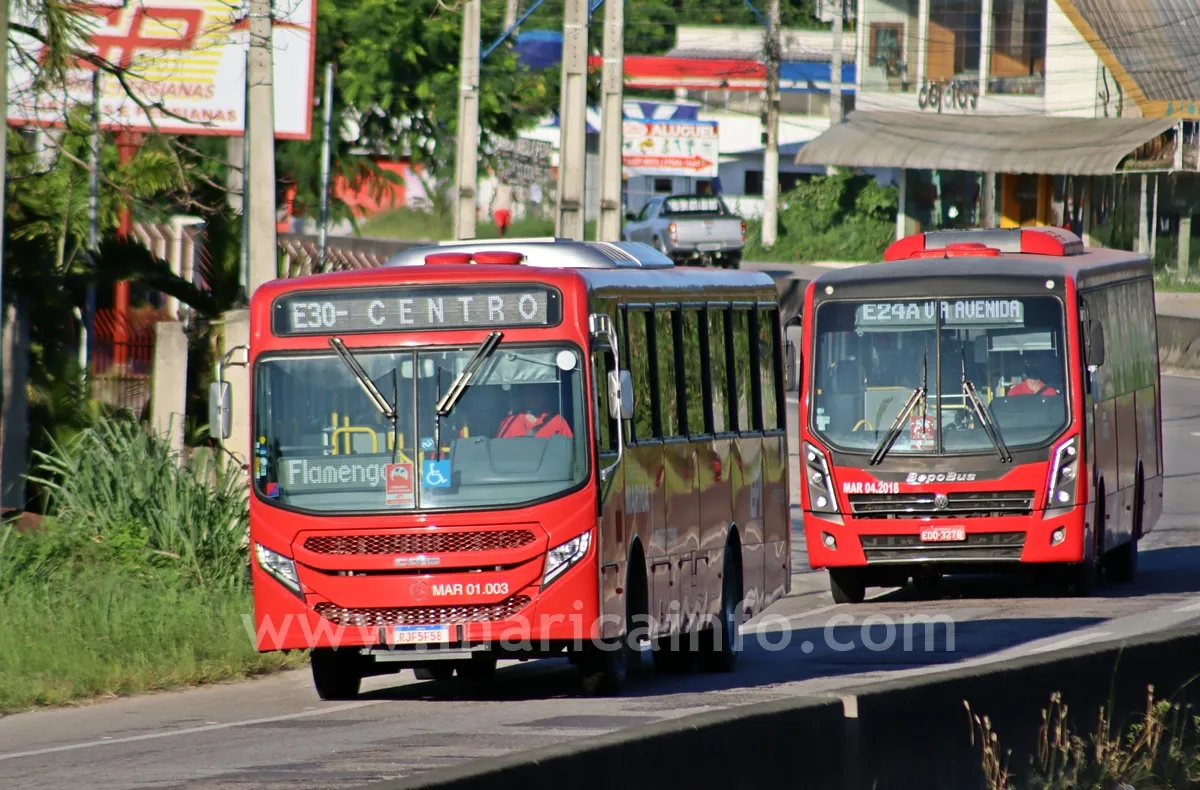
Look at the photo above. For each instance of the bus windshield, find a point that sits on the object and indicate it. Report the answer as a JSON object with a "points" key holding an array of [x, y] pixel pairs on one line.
{"points": [[517, 433], [872, 359]]}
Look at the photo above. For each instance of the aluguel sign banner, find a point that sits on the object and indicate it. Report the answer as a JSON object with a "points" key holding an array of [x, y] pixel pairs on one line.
{"points": [[670, 148], [184, 60]]}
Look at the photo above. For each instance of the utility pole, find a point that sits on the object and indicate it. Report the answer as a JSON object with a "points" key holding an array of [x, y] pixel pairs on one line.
{"points": [[89, 308], [467, 153], [771, 156], [572, 121], [260, 142], [835, 71], [612, 120], [510, 15], [326, 156]]}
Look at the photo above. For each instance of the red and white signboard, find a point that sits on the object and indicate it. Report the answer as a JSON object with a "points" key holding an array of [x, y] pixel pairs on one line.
{"points": [[400, 485], [670, 148], [921, 433], [185, 61]]}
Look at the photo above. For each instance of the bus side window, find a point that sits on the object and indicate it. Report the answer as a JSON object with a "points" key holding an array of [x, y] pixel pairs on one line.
{"points": [[769, 359], [606, 428], [718, 362], [664, 352], [639, 370], [742, 369]]}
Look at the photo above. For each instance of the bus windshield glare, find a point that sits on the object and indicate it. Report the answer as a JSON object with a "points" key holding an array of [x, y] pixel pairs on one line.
{"points": [[515, 435], [873, 357]]}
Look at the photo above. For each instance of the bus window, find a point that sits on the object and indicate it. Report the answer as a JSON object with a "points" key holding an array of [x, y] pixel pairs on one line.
{"points": [[692, 372], [741, 367], [606, 429], [639, 371], [664, 352], [718, 363], [768, 356]]}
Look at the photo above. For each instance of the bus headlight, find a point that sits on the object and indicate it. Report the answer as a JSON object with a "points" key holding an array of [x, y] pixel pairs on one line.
{"points": [[278, 567], [1064, 473], [564, 555], [820, 484]]}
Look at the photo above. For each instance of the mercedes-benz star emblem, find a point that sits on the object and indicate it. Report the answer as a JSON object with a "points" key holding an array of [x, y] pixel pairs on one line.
{"points": [[419, 590], [940, 501]]}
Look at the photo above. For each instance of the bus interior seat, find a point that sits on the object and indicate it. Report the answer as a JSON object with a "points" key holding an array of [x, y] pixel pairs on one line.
{"points": [[482, 460]]}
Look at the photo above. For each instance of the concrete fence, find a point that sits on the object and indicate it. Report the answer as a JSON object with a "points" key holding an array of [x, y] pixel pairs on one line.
{"points": [[907, 734]]}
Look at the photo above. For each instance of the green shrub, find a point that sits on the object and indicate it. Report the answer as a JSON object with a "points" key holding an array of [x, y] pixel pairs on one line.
{"points": [[843, 217], [119, 495]]}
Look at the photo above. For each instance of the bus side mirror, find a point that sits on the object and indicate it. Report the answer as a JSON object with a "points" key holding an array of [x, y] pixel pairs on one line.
{"points": [[620, 395], [219, 415], [791, 366], [1094, 338]]}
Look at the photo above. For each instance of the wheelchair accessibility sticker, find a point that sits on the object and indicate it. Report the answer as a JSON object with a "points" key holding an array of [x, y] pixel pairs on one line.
{"points": [[436, 474]]}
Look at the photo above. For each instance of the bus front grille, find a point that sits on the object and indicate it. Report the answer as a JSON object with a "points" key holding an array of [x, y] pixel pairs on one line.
{"points": [[423, 615], [427, 543], [960, 504], [984, 546]]}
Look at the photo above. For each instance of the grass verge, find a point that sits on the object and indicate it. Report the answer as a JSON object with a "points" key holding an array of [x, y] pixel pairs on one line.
{"points": [[1159, 750], [106, 634]]}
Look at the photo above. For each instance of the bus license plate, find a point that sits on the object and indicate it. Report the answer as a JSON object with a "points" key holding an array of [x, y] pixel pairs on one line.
{"points": [[420, 634], [943, 534]]}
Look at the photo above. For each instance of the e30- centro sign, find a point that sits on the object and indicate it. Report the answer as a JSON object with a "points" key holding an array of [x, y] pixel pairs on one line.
{"points": [[189, 56]]}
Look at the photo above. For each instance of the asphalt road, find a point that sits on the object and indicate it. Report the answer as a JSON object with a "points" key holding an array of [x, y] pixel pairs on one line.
{"points": [[275, 733]]}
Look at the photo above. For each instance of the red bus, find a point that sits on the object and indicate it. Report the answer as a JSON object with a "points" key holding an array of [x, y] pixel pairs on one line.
{"points": [[981, 401], [519, 448]]}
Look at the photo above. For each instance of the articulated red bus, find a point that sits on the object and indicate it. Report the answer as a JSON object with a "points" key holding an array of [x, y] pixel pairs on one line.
{"points": [[983, 400], [543, 446]]}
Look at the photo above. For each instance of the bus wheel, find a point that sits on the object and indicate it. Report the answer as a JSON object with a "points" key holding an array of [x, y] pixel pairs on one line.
{"points": [[439, 671], [604, 665], [337, 674], [847, 585], [1121, 564], [674, 654], [1085, 576], [719, 650]]}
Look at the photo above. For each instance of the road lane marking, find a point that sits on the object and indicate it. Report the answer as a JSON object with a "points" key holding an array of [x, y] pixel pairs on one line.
{"points": [[1191, 607], [1071, 641], [110, 740]]}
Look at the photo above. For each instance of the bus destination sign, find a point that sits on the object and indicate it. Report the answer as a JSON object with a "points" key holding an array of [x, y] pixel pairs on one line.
{"points": [[956, 312], [408, 308]]}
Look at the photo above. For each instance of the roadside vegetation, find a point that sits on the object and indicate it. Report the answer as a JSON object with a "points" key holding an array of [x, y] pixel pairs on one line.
{"points": [[1159, 750], [137, 580], [843, 217]]}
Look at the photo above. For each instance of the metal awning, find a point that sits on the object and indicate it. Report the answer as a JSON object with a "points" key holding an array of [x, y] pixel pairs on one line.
{"points": [[982, 143]]}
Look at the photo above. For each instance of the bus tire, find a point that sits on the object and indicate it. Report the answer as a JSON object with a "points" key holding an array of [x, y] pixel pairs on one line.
{"points": [[604, 666], [337, 674], [1122, 562], [847, 585], [721, 643], [1085, 576]]}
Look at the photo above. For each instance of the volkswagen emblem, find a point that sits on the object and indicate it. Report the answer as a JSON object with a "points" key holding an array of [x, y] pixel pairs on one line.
{"points": [[940, 501], [419, 590]]}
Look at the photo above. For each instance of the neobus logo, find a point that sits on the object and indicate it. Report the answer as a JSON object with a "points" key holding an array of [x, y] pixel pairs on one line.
{"points": [[940, 477]]}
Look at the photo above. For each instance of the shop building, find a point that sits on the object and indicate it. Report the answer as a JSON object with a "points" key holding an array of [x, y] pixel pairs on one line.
{"points": [[1026, 112]]}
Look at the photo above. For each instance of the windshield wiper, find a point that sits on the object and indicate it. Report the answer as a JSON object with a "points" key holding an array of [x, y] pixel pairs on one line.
{"points": [[381, 403], [893, 433], [981, 411], [463, 380], [363, 379]]}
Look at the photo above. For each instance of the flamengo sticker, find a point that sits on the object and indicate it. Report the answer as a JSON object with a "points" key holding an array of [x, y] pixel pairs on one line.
{"points": [[400, 485]]}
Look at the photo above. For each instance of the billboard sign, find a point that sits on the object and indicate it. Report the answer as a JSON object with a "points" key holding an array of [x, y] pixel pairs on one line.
{"points": [[183, 60], [669, 148]]}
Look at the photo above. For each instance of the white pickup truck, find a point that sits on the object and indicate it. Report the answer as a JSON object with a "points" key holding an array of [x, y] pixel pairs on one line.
{"points": [[690, 229]]}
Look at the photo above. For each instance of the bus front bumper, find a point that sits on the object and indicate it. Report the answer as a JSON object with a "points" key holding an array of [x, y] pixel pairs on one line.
{"points": [[999, 541]]}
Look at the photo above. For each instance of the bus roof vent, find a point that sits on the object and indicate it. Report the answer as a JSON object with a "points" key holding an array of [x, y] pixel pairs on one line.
{"points": [[1057, 242], [543, 252]]}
